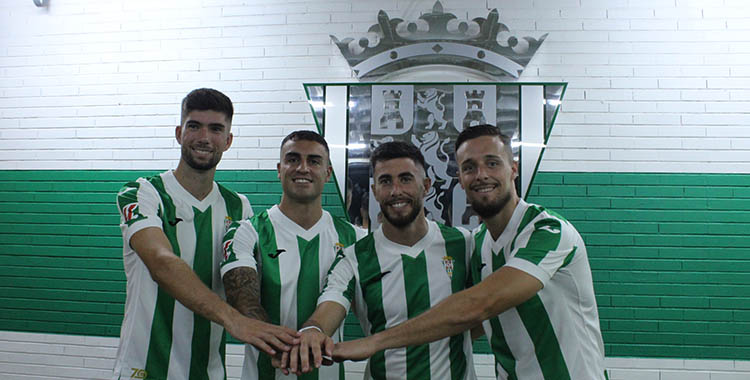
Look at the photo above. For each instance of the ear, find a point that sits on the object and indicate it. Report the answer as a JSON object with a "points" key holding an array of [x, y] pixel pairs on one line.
{"points": [[514, 170], [230, 138], [178, 134], [329, 171], [278, 170], [427, 183]]}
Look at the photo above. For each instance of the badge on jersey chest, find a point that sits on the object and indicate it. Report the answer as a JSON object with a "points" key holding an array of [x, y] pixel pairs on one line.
{"points": [[448, 265]]}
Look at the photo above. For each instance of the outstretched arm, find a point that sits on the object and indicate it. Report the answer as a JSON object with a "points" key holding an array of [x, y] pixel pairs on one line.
{"points": [[505, 288], [242, 288], [178, 279]]}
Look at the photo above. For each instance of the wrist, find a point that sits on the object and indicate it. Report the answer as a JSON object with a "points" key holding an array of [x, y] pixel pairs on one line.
{"points": [[376, 342], [311, 327]]}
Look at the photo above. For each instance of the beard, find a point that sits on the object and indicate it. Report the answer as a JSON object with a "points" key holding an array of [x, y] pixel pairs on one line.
{"points": [[187, 155], [490, 208], [402, 221]]}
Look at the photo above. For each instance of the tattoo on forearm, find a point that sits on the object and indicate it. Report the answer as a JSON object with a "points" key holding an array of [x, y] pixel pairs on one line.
{"points": [[243, 292]]}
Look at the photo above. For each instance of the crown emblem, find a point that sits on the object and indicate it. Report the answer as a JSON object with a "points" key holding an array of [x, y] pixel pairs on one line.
{"points": [[437, 37]]}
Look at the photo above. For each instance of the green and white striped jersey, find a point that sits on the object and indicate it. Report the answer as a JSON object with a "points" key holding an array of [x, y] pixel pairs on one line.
{"points": [[388, 283], [294, 263], [554, 335], [160, 338]]}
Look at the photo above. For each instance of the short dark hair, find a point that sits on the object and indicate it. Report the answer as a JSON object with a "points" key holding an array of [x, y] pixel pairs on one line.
{"points": [[485, 130], [396, 149], [206, 99], [307, 136]]}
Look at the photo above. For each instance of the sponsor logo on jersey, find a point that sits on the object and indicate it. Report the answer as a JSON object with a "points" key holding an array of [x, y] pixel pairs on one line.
{"points": [[448, 265], [138, 373], [130, 211], [227, 248], [278, 252], [227, 222]]}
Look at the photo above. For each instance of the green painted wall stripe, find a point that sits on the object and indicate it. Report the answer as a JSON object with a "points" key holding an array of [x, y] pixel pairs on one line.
{"points": [[682, 273]]}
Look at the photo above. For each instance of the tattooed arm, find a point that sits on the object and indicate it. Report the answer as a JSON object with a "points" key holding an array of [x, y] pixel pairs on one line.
{"points": [[243, 292]]}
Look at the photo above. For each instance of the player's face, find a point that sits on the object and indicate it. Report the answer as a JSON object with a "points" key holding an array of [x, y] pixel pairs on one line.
{"points": [[204, 137], [303, 170], [400, 187], [486, 174]]}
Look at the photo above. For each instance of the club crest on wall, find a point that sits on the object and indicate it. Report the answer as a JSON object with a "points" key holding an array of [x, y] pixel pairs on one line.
{"points": [[356, 117]]}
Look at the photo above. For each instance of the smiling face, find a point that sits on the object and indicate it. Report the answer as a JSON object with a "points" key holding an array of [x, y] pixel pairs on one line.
{"points": [[487, 174], [303, 170], [204, 137], [400, 187]]}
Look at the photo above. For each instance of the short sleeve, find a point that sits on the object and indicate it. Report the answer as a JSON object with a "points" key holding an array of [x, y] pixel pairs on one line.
{"points": [[238, 247], [341, 280], [547, 248], [139, 204]]}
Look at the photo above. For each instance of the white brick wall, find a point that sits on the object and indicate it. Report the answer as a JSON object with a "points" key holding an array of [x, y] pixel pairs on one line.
{"points": [[50, 356], [106, 77]]}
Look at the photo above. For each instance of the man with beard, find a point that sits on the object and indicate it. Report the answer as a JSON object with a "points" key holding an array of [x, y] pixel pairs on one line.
{"points": [[403, 268], [536, 297], [294, 244], [172, 225]]}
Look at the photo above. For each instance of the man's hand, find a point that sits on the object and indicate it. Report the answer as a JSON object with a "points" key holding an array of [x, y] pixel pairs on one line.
{"points": [[355, 350], [264, 336], [313, 345]]}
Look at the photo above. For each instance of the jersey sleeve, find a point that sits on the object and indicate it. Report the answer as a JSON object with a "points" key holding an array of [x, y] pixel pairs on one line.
{"points": [[341, 281], [549, 245], [139, 204], [238, 247], [247, 209]]}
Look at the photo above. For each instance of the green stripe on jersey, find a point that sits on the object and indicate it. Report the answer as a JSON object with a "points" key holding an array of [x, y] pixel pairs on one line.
{"points": [[308, 288], [417, 290], [372, 291], [203, 268], [233, 203], [455, 243], [537, 322], [160, 341], [528, 216], [497, 341], [270, 281], [476, 256], [345, 231]]}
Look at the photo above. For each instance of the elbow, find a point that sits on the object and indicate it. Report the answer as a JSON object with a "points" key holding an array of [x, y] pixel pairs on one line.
{"points": [[159, 268]]}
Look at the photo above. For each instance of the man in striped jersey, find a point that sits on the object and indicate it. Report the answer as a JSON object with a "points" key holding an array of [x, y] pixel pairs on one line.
{"points": [[536, 295], [172, 225], [403, 268], [294, 243]]}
